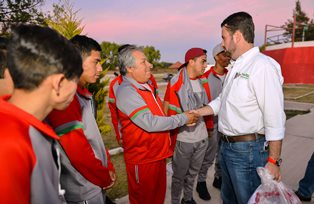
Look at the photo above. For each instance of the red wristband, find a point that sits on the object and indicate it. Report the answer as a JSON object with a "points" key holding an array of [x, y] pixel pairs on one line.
{"points": [[271, 160]]}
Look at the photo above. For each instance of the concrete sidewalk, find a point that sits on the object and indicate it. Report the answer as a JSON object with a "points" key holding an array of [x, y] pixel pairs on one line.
{"points": [[298, 147]]}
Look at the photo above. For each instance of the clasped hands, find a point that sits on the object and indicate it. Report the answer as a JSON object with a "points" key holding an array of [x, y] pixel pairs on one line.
{"points": [[193, 117]]}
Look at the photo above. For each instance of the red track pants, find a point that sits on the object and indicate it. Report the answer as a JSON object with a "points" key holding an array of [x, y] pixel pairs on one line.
{"points": [[147, 182]]}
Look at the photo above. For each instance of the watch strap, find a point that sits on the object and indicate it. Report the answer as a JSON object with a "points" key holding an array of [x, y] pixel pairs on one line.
{"points": [[273, 161]]}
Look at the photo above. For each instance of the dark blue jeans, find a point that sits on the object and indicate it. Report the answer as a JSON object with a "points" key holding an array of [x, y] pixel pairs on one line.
{"points": [[306, 185], [238, 164]]}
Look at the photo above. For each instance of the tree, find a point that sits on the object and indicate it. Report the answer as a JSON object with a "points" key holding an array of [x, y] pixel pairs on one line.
{"points": [[19, 11], [65, 20], [99, 93], [110, 50], [153, 55], [304, 26]]}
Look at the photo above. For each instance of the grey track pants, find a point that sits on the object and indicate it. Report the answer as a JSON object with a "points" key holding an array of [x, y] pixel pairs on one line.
{"points": [[210, 155], [187, 161]]}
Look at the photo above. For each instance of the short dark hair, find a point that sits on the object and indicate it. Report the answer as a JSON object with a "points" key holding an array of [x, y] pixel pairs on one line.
{"points": [[85, 44], [3, 55], [36, 52], [241, 21]]}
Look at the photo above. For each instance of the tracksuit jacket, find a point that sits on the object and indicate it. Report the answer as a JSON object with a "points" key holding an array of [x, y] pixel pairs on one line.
{"points": [[29, 160], [177, 96], [115, 83], [84, 159], [146, 140], [145, 134]]}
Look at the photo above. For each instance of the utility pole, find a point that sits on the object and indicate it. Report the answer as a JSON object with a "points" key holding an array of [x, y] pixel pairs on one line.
{"points": [[293, 29]]}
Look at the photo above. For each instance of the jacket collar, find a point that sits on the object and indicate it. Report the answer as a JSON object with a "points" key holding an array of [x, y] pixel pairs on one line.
{"points": [[84, 92], [24, 117]]}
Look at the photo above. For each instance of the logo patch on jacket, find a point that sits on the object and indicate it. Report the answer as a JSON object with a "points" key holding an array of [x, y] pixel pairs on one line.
{"points": [[242, 75]]}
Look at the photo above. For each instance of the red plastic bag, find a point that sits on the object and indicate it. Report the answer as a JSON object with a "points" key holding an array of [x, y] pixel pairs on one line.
{"points": [[271, 191]]}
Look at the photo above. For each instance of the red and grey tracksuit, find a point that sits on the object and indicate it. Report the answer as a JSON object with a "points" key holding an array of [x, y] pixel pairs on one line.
{"points": [[114, 84], [172, 96], [146, 140], [84, 159], [185, 94], [29, 160]]}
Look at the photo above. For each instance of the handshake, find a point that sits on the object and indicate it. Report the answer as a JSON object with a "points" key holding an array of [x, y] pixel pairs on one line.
{"points": [[193, 117]]}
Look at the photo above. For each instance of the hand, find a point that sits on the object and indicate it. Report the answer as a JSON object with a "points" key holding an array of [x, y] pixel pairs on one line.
{"points": [[192, 117], [112, 175], [274, 170]]}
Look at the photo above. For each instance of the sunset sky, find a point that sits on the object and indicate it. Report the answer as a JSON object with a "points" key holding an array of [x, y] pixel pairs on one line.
{"points": [[174, 26]]}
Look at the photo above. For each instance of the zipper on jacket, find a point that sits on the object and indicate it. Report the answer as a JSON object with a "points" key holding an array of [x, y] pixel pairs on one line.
{"points": [[136, 174], [158, 104], [179, 101]]}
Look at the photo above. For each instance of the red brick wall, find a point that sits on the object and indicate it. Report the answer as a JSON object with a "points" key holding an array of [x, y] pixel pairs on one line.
{"points": [[297, 64]]}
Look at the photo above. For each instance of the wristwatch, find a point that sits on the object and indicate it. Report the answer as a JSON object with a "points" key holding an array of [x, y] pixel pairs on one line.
{"points": [[273, 161]]}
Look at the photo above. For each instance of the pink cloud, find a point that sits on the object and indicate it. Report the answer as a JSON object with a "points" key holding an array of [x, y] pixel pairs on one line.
{"points": [[181, 23]]}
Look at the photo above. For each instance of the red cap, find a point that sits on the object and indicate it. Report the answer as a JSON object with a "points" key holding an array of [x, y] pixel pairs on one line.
{"points": [[192, 53]]}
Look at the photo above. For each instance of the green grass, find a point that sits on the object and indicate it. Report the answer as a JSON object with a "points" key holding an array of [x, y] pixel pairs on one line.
{"points": [[299, 92], [292, 113], [120, 188], [306, 99]]}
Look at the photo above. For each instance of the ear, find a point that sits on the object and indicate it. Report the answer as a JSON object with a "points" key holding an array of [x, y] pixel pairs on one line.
{"points": [[237, 36], [129, 69], [191, 62], [8, 79], [7, 75], [57, 80]]}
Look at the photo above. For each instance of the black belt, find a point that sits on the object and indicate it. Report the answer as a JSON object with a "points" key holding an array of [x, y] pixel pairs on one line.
{"points": [[241, 138]]}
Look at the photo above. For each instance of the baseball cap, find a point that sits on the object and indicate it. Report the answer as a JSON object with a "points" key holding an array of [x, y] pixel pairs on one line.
{"points": [[192, 53], [217, 49]]}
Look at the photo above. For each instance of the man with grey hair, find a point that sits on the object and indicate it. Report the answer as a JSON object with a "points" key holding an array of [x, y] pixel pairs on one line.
{"points": [[144, 128], [113, 87]]}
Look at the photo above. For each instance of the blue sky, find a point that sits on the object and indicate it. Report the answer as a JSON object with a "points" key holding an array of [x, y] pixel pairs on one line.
{"points": [[174, 26]]}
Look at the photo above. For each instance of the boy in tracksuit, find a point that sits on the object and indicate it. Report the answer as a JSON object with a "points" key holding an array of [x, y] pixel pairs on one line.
{"points": [[45, 68], [188, 91], [86, 167], [144, 129]]}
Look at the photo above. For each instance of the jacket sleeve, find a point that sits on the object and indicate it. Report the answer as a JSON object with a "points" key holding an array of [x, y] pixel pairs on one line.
{"points": [[133, 105], [17, 162], [167, 94], [114, 110], [76, 145]]}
